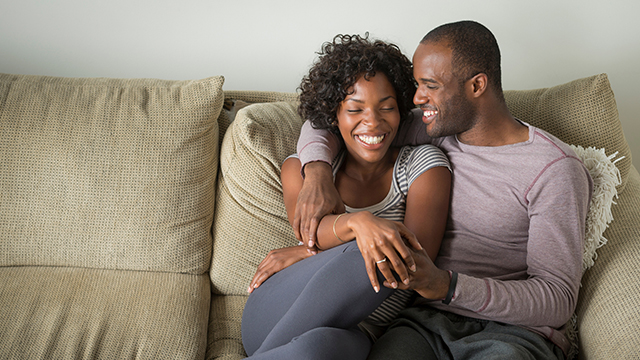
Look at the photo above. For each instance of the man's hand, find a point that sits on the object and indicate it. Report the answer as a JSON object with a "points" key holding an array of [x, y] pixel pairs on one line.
{"points": [[275, 261], [428, 280], [384, 245], [317, 198]]}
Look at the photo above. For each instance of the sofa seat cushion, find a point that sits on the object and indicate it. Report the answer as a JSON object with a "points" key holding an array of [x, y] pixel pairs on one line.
{"points": [[108, 173], [224, 341], [73, 313]]}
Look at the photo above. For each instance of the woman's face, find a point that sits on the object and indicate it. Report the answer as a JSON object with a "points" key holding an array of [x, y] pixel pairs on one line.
{"points": [[368, 118]]}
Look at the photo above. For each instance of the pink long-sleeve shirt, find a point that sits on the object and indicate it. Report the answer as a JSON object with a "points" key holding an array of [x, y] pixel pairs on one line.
{"points": [[515, 229]]}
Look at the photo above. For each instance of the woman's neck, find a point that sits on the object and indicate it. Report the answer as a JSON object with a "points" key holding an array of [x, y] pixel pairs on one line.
{"points": [[362, 171], [363, 184]]}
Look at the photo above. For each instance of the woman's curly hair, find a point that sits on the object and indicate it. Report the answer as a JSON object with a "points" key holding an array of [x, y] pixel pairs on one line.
{"points": [[340, 64]]}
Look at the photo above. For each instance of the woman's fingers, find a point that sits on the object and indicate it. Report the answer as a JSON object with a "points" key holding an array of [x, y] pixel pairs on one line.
{"points": [[385, 268], [398, 255], [398, 265], [373, 275], [275, 261], [258, 278], [380, 239]]}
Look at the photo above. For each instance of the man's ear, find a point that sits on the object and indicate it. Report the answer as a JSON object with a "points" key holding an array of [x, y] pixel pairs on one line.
{"points": [[478, 84]]}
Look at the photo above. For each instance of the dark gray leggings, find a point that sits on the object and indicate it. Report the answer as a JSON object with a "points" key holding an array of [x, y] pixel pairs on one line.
{"points": [[311, 309]]}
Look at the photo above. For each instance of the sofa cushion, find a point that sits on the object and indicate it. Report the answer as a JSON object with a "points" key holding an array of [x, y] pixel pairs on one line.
{"points": [[581, 112], [108, 173], [250, 218], [224, 340], [76, 313], [608, 303]]}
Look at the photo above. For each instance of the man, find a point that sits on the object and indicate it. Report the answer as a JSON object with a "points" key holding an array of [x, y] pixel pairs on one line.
{"points": [[507, 276]]}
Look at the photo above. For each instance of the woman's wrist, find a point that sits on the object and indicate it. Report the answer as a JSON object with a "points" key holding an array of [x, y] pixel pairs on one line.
{"points": [[341, 229], [352, 221]]}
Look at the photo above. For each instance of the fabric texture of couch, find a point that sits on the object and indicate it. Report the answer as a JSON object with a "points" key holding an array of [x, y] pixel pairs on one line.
{"points": [[105, 214], [133, 213]]}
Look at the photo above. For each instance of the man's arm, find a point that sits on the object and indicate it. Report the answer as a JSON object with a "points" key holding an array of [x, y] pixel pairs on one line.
{"points": [[316, 145], [557, 204], [318, 195]]}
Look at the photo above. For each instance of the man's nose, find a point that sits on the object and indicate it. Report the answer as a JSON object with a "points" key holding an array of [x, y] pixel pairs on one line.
{"points": [[420, 97]]}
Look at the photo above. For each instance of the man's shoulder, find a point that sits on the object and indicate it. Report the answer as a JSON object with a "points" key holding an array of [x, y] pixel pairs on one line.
{"points": [[547, 141], [561, 164]]}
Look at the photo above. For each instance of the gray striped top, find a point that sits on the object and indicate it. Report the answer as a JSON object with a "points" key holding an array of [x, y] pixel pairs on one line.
{"points": [[412, 161]]}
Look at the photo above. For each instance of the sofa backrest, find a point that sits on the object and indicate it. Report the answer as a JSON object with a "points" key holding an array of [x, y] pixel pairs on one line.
{"points": [[250, 217], [108, 173]]}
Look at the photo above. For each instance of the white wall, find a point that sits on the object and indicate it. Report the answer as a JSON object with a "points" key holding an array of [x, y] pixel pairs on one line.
{"points": [[269, 45]]}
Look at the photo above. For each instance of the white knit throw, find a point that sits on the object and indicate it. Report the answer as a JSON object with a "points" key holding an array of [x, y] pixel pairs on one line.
{"points": [[606, 177]]}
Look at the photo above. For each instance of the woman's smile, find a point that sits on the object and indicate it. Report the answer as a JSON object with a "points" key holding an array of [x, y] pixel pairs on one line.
{"points": [[371, 139]]}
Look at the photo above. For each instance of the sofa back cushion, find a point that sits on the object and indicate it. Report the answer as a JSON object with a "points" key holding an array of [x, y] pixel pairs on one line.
{"points": [[581, 112], [250, 218], [108, 173]]}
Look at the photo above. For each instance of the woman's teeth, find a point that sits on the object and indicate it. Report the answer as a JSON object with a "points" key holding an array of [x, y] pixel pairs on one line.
{"points": [[371, 140]]}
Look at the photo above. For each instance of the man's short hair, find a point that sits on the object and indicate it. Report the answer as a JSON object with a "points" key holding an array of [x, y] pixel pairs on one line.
{"points": [[474, 50]]}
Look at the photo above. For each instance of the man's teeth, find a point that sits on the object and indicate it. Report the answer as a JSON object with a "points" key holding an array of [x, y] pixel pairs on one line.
{"points": [[371, 140], [429, 113]]}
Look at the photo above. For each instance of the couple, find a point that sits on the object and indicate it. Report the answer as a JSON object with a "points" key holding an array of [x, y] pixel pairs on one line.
{"points": [[508, 265]]}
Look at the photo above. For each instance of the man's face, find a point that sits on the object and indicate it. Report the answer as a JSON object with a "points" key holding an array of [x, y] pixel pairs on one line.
{"points": [[440, 95]]}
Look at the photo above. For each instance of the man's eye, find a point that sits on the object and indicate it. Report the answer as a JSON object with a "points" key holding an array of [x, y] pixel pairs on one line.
{"points": [[353, 111], [388, 109]]}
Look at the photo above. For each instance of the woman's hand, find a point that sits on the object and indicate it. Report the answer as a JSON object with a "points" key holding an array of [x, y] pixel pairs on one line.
{"points": [[275, 261], [317, 198], [380, 239]]}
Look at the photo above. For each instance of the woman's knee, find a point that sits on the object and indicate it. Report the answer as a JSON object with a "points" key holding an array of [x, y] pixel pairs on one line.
{"points": [[331, 343]]}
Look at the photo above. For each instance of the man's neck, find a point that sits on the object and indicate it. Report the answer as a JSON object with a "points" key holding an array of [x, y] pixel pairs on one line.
{"points": [[497, 128]]}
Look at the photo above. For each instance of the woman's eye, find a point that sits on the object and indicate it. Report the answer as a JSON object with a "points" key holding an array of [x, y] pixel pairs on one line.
{"points": [[353, 111]]}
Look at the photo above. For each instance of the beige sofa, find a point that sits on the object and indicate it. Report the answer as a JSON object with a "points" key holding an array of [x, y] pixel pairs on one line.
{"points": [[133, 213]]}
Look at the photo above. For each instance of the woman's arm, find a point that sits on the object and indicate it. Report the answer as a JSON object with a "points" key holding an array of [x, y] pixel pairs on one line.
{"points": [[377, 238], [426, 216], [428, 208]]}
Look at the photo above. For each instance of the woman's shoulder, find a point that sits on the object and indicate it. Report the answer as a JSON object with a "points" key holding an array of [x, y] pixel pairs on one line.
{"points": [[428, 148], [426, 151]]}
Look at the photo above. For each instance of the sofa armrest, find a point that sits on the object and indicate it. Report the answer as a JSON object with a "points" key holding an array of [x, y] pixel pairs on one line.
{"points": [[608, 307]]}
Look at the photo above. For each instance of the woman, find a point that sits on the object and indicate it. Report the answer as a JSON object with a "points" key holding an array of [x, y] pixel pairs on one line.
{"points": [[324, 306]]}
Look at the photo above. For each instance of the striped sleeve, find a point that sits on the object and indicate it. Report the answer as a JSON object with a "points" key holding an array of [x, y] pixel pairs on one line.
{"points": [[423, 158]]}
